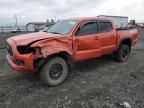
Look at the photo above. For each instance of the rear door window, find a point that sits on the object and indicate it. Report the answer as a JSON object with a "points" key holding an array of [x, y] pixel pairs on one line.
{"points": [[104, 26]]}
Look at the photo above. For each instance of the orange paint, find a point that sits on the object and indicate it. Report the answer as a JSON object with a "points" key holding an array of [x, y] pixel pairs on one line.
{"points": [[78, 47]]}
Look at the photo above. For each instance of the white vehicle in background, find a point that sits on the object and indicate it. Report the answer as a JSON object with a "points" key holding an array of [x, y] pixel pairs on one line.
{"points": [[15, 30]]}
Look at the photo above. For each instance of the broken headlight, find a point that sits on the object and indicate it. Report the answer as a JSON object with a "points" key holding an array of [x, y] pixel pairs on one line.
{"points": [[27, 50]]}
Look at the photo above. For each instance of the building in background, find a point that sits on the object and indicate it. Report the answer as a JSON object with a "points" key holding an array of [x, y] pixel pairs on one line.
{"points": [[36, 26], [30, 27], [120, 21]]}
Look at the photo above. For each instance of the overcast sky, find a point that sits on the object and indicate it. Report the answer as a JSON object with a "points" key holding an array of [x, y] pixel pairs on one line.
{"points": [[40, 10]]}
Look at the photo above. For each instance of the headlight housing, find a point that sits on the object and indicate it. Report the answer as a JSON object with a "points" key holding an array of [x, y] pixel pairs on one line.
{"points": [[28, 50]]}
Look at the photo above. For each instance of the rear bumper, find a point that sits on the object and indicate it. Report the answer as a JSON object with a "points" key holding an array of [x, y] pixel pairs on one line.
{"points": [[27, 67]]}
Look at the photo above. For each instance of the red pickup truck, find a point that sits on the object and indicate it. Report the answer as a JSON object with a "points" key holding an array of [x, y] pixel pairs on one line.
{"points": [[53, 51]]}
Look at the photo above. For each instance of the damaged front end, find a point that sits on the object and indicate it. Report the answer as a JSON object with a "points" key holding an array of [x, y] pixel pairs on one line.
{"points": [[21, 58]]}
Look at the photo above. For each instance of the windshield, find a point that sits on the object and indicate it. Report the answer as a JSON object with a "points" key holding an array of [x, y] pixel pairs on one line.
{"points": [[62, 27]]}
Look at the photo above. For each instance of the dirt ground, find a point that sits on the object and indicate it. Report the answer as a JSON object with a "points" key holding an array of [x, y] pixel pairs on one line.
{"points": [[96, 83]]}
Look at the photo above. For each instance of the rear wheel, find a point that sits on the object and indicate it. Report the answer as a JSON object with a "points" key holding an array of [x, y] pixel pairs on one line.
{"points": [[54, 72], [122, 54]]}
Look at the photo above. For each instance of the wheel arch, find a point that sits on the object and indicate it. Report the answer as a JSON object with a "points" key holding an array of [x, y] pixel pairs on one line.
{"points": [[63, 54], [126, 41]]}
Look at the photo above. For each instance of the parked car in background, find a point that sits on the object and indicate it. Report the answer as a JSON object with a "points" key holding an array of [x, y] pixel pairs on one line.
{"points": [[15, 30], [68, 41]]}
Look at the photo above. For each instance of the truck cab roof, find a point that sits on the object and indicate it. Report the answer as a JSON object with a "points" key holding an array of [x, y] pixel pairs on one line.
{"points": [[89, 18]]}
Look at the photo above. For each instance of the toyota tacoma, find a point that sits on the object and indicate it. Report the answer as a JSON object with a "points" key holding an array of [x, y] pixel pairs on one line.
{"points": [[52, 52]]}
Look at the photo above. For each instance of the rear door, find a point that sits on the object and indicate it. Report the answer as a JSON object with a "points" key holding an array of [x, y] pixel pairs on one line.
{"points": [[86, 41], [108, 36]]}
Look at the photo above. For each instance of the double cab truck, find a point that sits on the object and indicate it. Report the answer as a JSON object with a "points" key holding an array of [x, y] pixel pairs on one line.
{"points": [[52, 52]]}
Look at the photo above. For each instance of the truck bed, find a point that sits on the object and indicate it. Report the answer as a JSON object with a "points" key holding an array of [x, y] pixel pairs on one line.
{"points": [[125, 33]]}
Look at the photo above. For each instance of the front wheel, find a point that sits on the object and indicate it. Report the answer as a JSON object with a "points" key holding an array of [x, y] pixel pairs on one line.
{"points": [[122, 54], [54, 72]]}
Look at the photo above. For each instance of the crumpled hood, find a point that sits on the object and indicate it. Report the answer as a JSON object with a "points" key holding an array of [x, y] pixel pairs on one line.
{"points": [[26, 39]]}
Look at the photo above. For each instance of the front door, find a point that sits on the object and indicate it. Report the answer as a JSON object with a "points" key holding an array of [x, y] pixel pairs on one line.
{"points": [[87, 42]]}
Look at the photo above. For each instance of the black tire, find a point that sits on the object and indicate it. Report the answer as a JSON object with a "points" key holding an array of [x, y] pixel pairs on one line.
{"points": [[123, 52], [54, 72]]}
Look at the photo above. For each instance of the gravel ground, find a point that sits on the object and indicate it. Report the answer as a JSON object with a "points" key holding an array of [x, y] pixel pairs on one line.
{"points": [[96, 83]]}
